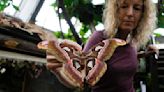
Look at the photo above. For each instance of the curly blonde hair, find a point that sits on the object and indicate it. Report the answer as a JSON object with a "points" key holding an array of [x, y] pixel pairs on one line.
{"points": [[144, 29]]}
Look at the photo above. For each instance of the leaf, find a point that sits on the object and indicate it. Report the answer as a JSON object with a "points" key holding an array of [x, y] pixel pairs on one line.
{"points": [[57, 34], [5, 3], [157, 34], [83, 30], [2, 6], [76, 2], [54, 5], [68, 2], [15, 7]]}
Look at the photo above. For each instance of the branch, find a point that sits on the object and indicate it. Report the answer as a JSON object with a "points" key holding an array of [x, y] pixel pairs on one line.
{"points": [[77, 38], [62, 34]]}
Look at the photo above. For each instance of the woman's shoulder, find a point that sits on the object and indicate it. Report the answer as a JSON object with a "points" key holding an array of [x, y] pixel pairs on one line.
{"points": [[95, 38], [98, 34]]}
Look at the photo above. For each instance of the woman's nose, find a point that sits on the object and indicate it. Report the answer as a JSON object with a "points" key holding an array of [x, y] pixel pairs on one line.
{"points": [[130, 11]]}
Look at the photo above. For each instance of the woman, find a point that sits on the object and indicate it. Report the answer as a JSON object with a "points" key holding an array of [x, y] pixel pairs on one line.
{"points": [[132, 21]]}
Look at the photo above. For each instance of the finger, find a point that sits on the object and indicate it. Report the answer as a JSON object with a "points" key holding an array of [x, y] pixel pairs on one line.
{"points": [[53, 66], [50, 58], [153, 48], [48, 53], [53, 61]]}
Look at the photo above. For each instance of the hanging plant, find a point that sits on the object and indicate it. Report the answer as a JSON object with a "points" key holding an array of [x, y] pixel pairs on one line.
{"points": [[5, 3]]}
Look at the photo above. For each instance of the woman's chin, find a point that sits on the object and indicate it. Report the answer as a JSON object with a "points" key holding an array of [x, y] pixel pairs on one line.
{"points": [[127, 29]]}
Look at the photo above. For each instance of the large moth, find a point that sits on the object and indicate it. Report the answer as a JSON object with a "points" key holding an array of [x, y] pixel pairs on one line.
{"points": [[72, 66]]}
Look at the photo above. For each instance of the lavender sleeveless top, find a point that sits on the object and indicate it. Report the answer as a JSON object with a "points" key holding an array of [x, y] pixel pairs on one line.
{"points": [[121, 67]]}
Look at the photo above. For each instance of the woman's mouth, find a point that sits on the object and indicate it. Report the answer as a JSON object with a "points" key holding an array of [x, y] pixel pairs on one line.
{"points": [[128, 22]]}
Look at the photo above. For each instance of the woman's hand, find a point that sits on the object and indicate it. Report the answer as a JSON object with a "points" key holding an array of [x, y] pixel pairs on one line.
{"points": [[53, 64], [151, 49]]}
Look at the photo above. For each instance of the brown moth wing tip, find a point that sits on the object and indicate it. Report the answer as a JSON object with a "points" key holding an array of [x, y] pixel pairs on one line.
{"points": [[43, 45], [96, 73], [119, 41]]}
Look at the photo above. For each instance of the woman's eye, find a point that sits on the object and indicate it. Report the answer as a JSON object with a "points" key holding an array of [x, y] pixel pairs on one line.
{"points": [[124, 6], [138, 7]]}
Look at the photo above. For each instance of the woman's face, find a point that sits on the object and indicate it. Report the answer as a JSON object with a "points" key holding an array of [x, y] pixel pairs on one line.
{"points": [[130, 12]]}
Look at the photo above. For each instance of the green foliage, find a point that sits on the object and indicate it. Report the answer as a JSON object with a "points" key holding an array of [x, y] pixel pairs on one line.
{"points": [[85, 12], [83, 34], [15, 7], [84, 29], [157, 34], [54, 5], [161, 16], [67, 35], [5, 3], [161, 20], [58, 34]]}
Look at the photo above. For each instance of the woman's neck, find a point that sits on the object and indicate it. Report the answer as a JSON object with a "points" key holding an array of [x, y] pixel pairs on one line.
{"points": [[121, 34]]}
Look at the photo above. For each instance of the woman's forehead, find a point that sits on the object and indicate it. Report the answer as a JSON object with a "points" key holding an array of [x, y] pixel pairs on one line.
{"points": [[131, 1]]}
